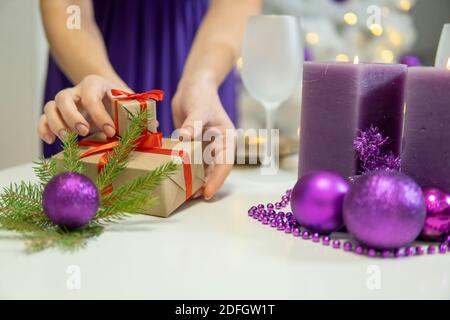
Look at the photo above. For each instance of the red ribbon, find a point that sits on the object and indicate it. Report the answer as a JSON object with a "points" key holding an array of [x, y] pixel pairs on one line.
{"points": [[150, 143], [142, 98]]}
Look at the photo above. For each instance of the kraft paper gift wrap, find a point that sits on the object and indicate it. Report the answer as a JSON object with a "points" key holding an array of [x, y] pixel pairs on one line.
{"points": [[123, 103], [173, 191]]}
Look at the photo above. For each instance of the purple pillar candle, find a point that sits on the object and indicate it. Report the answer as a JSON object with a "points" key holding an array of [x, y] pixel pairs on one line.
{"points": [[426, 151], [338, 100]]}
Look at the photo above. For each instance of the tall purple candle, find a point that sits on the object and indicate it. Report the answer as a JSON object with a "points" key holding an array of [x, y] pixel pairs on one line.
{"points": [[338, 100], [426, 152]]}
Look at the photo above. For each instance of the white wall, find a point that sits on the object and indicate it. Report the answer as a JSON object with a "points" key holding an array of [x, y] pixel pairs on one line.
{"points": [[23, 53]]}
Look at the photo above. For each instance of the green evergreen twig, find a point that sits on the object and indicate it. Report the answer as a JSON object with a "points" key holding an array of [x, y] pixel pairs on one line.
{"points": [[71, 161], [45, 169], [118, 158], [135, 195], [21, 204]]}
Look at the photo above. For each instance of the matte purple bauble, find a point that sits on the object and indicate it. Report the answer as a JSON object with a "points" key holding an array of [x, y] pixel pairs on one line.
{"points": [[437, 221], [384, 209], [316, 201], [70, 200]]}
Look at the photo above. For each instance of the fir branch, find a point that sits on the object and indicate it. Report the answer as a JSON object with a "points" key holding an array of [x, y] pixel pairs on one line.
{"points": [[118, 158], [22, 198], [45, 169], [67, 240], [135, 195], [71, 161]]}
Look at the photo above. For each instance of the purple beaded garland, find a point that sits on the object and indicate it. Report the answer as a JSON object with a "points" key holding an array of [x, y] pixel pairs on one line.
{"points": [[286, 222]]}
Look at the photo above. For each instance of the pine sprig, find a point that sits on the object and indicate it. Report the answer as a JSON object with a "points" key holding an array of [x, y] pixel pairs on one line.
{"points": [[67, 240], [135, 195], [71, 161], [21, 198], [45, 169], [21, 204], [118, 158]]}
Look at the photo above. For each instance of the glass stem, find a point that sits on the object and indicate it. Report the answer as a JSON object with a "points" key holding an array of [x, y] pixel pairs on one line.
{"points": [[270, 121]]}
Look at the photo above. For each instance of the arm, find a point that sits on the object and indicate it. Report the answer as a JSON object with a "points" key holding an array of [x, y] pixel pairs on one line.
{"points": [[81, 55], [214, 52], [78, 52], [217, 44]]}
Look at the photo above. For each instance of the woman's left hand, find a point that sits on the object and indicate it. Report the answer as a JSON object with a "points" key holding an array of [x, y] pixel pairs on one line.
{"points": [[197, 105]]}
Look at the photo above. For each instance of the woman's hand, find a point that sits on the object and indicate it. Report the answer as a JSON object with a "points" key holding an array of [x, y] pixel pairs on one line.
{"points": [[80, 109], [198, 104]]}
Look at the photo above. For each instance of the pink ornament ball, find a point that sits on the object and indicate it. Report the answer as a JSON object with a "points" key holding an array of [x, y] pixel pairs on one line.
{"points": [[70, 200], [316, 201], [437, 221]]}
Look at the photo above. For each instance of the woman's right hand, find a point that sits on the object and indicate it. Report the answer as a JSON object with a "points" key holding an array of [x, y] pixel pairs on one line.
{"points": [[80, 109]]}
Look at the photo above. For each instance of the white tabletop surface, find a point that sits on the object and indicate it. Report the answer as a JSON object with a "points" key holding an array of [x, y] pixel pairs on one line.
{"points": [[212, 250]]}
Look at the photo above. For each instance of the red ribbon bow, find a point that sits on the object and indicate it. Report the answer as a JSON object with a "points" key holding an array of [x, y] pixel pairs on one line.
{"points": [[142, 98], [157, 95]]}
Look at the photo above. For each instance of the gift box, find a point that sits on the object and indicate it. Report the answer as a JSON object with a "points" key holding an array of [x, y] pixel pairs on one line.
{"points": [[173, 191], [123, 103]]}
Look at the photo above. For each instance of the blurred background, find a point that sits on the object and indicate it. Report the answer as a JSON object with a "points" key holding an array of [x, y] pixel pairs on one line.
{"points": [[408, 32]]}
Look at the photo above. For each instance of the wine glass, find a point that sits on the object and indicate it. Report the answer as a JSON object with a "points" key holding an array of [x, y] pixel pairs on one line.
{"points": [[443, 51], [272, 57]]}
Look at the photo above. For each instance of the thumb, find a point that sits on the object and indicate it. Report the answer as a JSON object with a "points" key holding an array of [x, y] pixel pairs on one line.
{"points": [[192, 126]]}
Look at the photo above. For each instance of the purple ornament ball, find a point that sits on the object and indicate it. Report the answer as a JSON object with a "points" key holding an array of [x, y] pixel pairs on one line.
{"points": [[70, 200], [437, 221], [316, 201], [384, 209], [307, 54], [411, 60]]}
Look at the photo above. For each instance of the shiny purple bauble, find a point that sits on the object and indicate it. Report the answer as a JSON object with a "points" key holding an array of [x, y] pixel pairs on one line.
{"points": [[316, 201], [70, 200], [437, 221], [384, 209]]}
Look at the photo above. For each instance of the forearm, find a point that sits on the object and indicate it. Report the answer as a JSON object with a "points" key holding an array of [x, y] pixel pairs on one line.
{"points": [[78, 52], [218, 41]]}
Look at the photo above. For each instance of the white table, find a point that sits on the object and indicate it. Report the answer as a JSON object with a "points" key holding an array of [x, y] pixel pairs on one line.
{"points": [[212, 250]]}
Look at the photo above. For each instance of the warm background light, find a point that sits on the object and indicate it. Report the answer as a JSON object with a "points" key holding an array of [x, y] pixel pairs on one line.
{"points": [[356, 60], [350, 18], [405, 5], [387, 55], [342, 57], [312, 38], [376, 29]]}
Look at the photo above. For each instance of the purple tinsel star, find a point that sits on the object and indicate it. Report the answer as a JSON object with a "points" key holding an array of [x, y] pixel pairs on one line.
{"points": [[368, 146]]}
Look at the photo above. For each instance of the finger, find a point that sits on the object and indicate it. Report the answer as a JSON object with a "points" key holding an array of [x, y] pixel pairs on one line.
{"points": [[54, 119], [44, 131], [65, 102], [153, 125], [91, 101], [215, 179], [198, 194]]}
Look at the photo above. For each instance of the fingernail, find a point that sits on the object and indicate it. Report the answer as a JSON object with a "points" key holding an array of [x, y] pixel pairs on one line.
{"points": [[82, 129], [62, 133], [48, 139], [208, 197], [186, 133], [109, 130]]}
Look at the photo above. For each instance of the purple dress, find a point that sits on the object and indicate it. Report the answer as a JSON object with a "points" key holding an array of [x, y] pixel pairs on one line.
{"points": [[148, 42]]}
